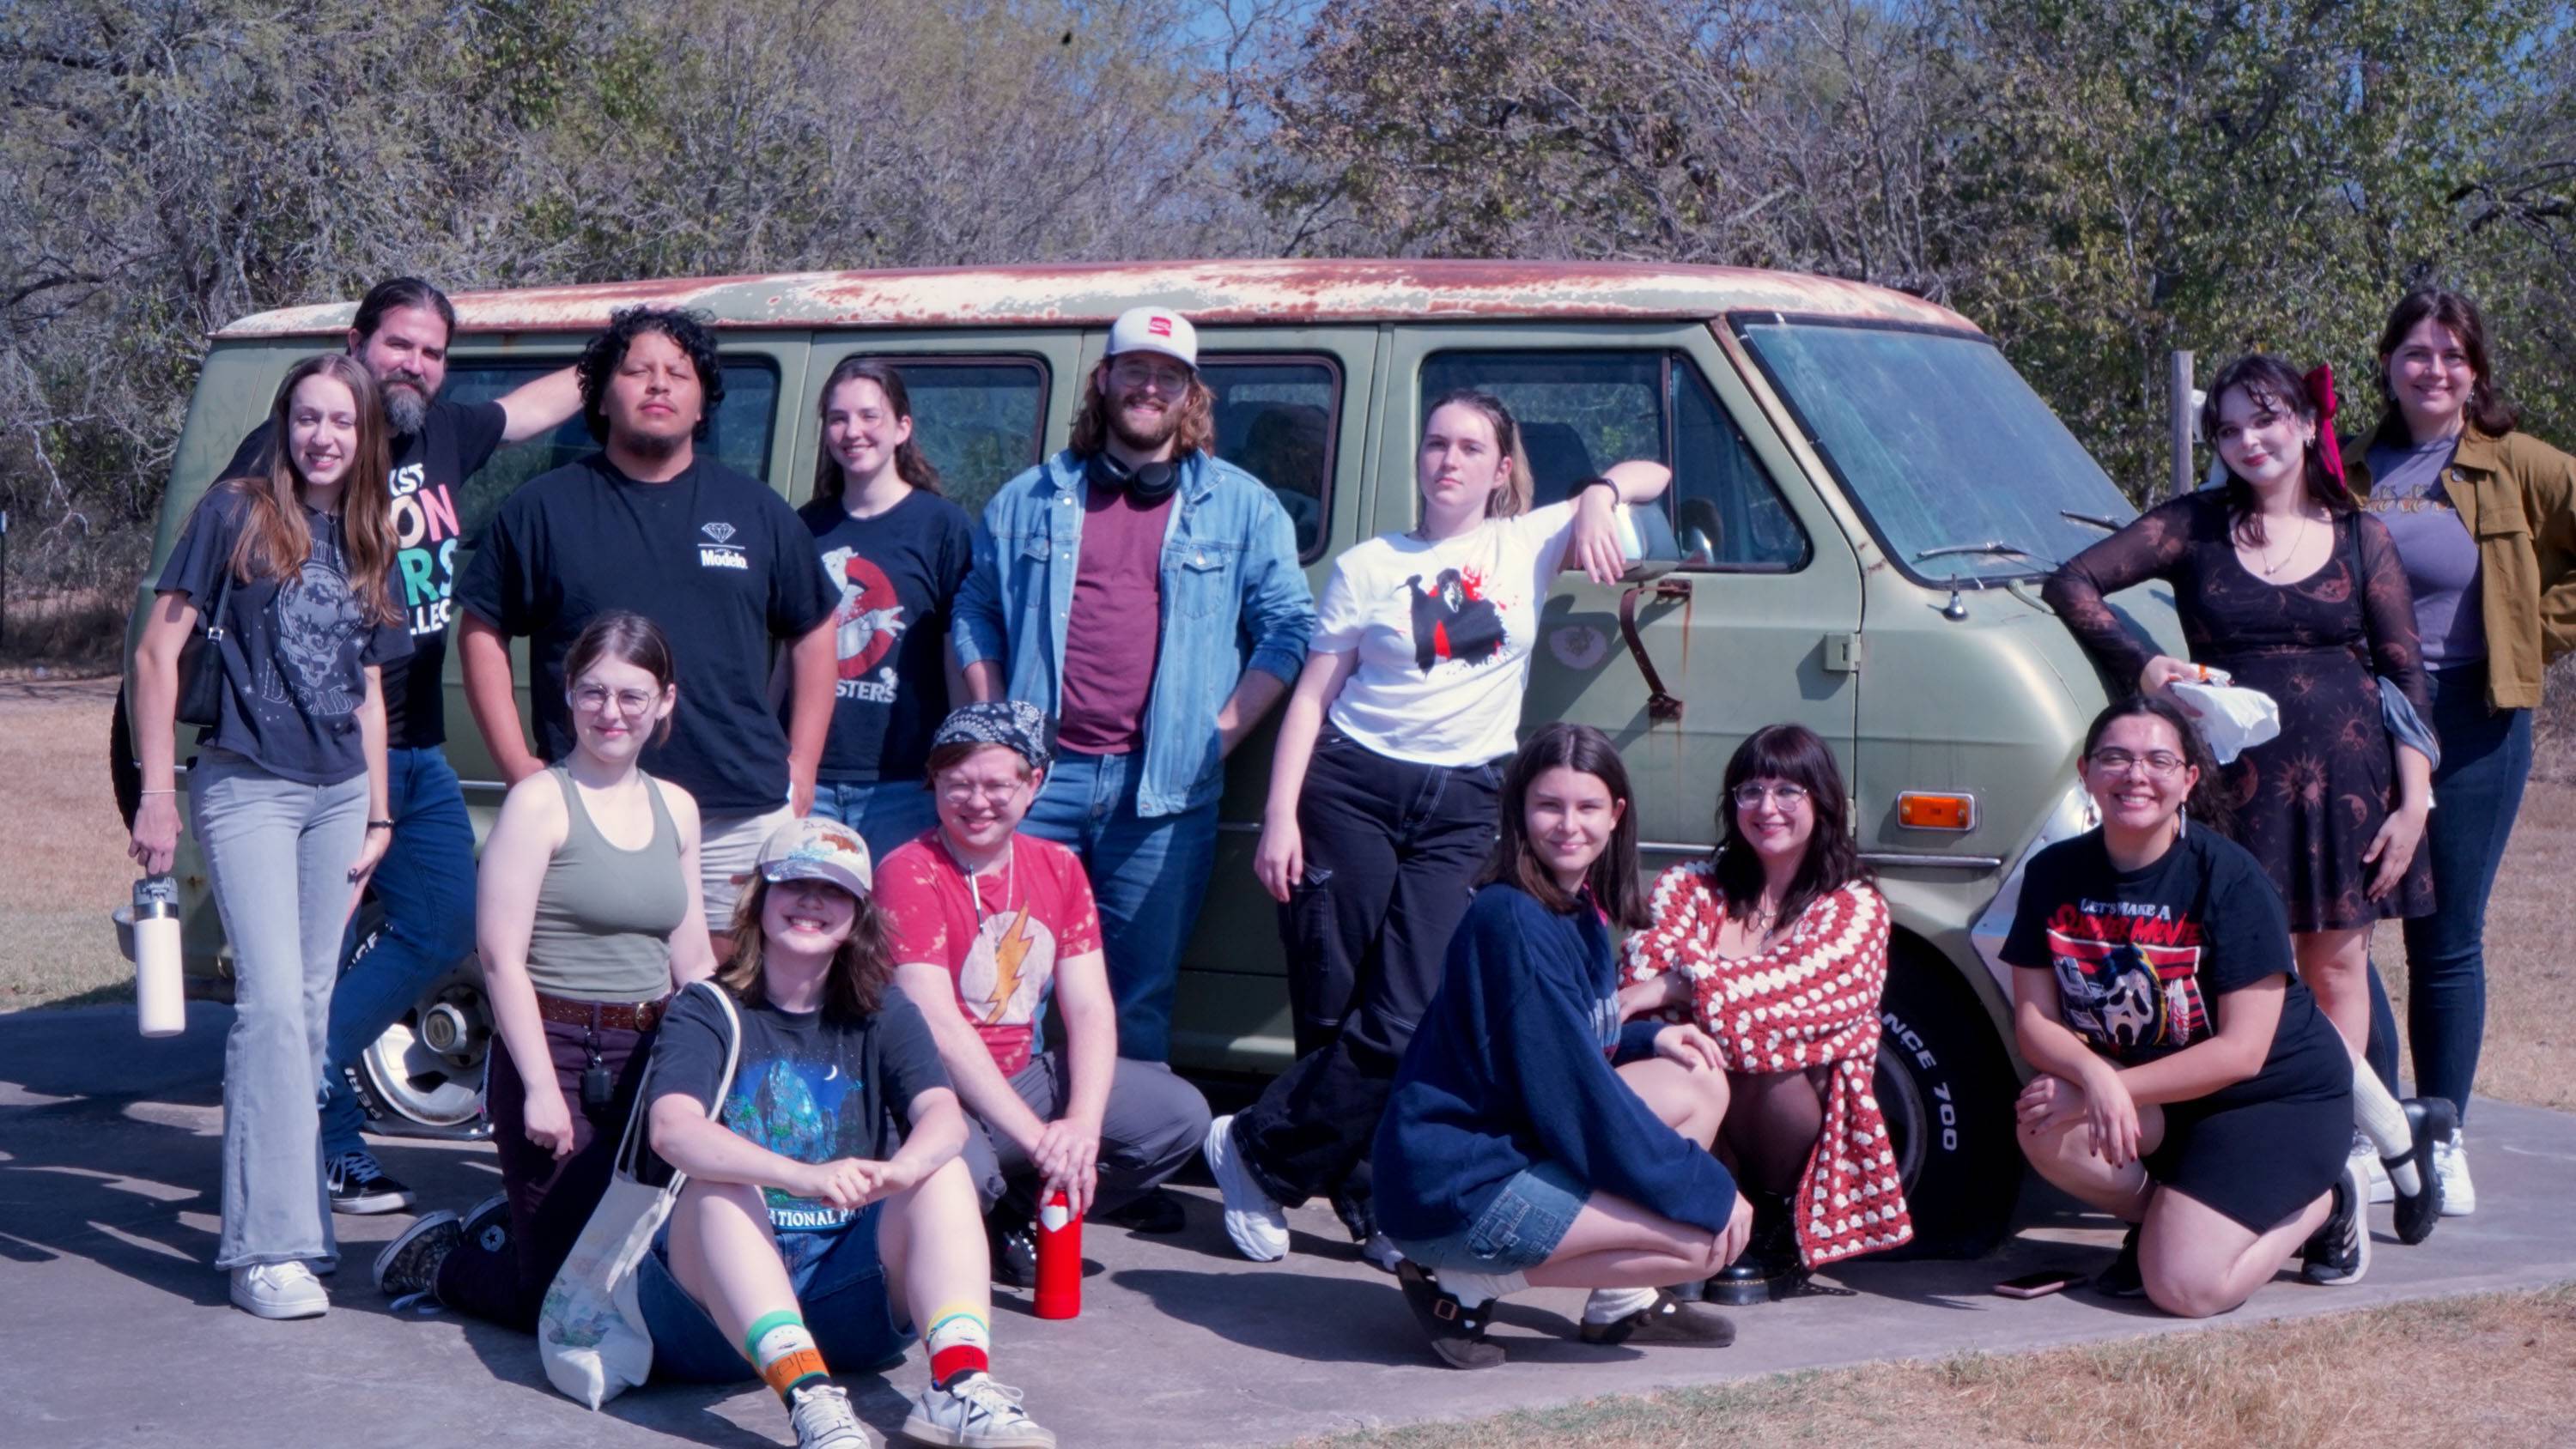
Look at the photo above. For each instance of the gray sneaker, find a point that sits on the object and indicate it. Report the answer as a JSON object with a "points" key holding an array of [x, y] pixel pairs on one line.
{"points": [[823, 1420], [975, 1411]]}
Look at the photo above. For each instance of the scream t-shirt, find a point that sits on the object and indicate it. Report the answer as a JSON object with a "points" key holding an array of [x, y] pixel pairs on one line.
{"points": [[427, 482], [2141, 957], [294, 654], [999, 938], [808, 1086], [1443, 632], [714, 557], [896, 575]]}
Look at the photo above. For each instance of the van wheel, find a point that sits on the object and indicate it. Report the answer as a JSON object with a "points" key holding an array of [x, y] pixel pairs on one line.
{"points": [[1947, 1090], [423, 1076]]}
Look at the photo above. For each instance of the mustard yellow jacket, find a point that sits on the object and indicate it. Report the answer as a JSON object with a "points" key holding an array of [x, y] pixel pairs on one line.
{"points": [[2517, 496]]}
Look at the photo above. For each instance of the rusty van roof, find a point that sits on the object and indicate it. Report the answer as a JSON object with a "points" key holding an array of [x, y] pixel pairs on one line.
{"points": [[1209, 292]]}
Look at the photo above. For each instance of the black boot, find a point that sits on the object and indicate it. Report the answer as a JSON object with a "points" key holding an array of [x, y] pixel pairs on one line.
{"points": [[1769, 1267], [1011, 1235], [2429, 1120]]}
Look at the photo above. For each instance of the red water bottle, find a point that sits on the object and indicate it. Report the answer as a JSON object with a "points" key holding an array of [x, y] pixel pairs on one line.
{"points": [[1059, 1259]]}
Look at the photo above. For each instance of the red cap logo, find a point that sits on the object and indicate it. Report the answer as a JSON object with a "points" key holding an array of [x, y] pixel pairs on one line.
{"points": [[1158, 326]]}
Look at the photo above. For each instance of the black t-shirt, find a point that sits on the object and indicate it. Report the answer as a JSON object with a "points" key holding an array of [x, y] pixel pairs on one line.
{"points": [[427, 482], [810, 1087], [2142, 957], [896, 574], [714, 557], [294, 654]]}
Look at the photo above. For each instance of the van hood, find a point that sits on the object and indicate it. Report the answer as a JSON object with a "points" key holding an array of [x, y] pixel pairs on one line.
{"points": [[2147, 611]]}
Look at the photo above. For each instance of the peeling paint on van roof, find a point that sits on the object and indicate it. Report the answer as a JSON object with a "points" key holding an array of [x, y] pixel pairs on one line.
{"points": [[1210, 292]]}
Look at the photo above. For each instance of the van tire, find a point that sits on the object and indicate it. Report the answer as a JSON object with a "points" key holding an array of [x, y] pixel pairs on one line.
{"points": [[124, 776], [1947, 1089]]}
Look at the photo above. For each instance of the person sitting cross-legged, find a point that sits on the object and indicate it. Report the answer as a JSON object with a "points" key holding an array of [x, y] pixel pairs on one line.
{"points": [[986, 924]]}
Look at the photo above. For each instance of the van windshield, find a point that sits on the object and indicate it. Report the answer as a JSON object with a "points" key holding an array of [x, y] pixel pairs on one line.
{"points": [[1957, 465]]}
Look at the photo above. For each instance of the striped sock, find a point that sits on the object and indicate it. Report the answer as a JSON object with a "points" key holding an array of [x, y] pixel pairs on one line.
{"points": [[784, 1352], [959, 1341]]}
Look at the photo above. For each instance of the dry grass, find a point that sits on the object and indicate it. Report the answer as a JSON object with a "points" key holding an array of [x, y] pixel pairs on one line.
{"points": [[62, 857], [2264, 1386], [80, 630]]}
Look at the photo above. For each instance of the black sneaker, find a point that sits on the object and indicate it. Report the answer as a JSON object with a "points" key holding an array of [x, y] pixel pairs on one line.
{"points": [[1666, 1320], [409, 1264], [2429, 1122], [359, 1186], [2123, 1279], [1156, 1212], [2339, 1253], [1014, 1248], [1457, 1332], [487, 1223], [1769, 1267]]}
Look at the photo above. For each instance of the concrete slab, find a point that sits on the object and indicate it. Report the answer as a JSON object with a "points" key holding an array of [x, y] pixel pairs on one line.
{"points": [[119, 1334]]}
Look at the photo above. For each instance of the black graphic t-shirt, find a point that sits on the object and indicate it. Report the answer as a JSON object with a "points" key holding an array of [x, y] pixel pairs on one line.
{"points": [[896, 575], [2141, 958], [427, 482], [294, 654], [715, 558], [808, 1087]]}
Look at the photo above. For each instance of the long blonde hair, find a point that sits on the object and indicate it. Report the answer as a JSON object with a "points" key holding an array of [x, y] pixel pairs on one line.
{"points": [[275, 543]]}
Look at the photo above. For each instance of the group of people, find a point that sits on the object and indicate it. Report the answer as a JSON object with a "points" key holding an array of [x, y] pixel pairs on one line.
{"points": [[932, 799]]}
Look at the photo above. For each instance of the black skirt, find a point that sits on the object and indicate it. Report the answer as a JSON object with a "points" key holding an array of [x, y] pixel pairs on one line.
{"points": [[2257, 1163]]}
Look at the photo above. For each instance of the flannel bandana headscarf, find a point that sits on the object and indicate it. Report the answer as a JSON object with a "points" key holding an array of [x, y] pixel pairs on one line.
{"points": [[1014, 724]]}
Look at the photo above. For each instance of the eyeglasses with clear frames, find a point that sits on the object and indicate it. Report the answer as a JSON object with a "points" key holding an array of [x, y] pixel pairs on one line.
{"points": [[961, 791], [1751, 794], [597, 698], [2161, 764]]}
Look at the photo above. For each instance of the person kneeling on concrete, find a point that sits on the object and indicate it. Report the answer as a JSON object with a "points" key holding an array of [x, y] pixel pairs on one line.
{"points": [[810, 1231], [2186, 1080], [986, 923], [1531, 1139]]}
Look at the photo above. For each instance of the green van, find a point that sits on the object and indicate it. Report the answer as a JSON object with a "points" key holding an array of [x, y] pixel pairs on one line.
{"points": [[1865, 496]]}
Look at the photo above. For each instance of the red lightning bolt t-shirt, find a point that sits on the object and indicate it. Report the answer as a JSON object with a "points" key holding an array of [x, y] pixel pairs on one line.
{"points": [[997, 935]]}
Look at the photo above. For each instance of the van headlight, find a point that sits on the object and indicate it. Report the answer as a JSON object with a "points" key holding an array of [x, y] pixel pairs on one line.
{"points": [[2073, 816]]}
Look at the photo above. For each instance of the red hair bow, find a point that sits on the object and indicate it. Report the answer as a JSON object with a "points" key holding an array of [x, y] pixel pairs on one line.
{"points": [[2321, 391]]}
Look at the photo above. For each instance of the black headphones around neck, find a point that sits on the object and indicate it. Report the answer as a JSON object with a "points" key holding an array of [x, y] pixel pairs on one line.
{"points": [[1151, 483]]}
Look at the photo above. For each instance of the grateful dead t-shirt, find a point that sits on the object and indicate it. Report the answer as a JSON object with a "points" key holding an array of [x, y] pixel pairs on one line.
{"points": [[2142, 957], [998, 934], [1443, 631], [896, 575]]}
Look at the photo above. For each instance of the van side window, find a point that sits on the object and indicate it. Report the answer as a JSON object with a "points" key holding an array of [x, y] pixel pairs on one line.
{"points": [[1276, 418], [977, 419], [1580, 412], [738, 436]]}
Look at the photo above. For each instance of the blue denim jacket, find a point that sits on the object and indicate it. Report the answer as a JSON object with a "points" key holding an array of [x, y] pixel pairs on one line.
{"points": [[1233, 599]]}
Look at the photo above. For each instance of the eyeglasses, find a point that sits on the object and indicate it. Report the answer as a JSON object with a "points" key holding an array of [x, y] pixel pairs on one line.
{"points": [[1751, 794], [961, 791], [2162, 764], [1166, 376], [597, 698]]}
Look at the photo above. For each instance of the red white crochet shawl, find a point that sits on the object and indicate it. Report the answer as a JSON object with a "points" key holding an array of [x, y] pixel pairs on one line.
{"points": [[1811, 1000]]}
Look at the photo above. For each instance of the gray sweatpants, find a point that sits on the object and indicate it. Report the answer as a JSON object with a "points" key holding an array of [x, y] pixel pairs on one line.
{"points": [[278, 855], [1154, 1121]]}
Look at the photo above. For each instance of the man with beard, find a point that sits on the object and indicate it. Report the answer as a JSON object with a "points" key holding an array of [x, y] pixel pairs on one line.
{"points": [[1116, 586], [425, 885], [714, 557]]}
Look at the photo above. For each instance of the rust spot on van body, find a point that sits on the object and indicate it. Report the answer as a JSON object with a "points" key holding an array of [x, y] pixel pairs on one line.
{"points": [[1217, 293]]}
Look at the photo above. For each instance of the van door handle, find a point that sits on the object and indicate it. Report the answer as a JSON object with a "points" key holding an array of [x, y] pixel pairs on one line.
{"points": [[1662, 706], [1842, 654]]}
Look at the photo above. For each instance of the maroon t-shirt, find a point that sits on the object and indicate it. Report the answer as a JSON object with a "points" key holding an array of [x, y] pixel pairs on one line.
{"points": [[1116, 628]]}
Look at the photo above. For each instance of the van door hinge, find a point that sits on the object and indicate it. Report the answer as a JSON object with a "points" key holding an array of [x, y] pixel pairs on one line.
{"points": [[1842, 654]]}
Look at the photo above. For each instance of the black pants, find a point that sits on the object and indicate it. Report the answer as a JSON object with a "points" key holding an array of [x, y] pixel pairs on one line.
{"points": [[1392, 851], [550, 1201]]}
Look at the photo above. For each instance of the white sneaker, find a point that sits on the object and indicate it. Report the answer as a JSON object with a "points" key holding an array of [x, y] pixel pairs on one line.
{"points": [[975, 1411], [823, 1420], [2451, 1162], [1258, 1226], [2381, 1189], [279, 1290]]}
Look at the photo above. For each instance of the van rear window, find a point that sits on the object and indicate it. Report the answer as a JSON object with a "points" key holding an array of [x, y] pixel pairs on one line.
{"points": [[1957, 465], [738, 435]]}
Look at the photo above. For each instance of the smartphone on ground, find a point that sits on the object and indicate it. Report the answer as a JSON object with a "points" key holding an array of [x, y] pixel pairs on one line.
{"points": [[2040, 1284]]}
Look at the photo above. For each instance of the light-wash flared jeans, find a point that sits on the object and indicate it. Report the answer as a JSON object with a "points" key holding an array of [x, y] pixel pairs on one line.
{"points": [[278, 855]]}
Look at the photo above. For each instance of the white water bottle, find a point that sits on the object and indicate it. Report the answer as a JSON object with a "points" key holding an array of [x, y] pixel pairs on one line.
{"points": [[160, 993]]}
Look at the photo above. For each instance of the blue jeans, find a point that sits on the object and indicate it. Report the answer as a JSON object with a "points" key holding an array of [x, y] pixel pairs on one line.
{"points": [[840, 1291], [1149, 876], [425, 885], [2486, 757], [1520, 1226], [886, 813]]}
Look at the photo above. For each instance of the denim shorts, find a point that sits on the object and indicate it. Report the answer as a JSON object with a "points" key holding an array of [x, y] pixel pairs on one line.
{"points": [[840, 1289], [1519, 1229]]}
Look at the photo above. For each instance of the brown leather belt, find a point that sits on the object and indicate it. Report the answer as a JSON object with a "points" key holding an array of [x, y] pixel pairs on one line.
{"points": [[602, 1015]]}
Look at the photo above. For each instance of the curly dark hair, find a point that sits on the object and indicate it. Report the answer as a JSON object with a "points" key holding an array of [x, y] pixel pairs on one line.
{"points": [[1795, 755], [606, 352]]}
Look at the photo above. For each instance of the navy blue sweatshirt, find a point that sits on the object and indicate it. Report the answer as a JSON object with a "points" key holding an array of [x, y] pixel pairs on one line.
{"points": [[1512, 1066]]}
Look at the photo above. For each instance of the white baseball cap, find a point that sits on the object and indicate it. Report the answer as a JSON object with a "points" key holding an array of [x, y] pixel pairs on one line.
{"points": [[1155, 329]]}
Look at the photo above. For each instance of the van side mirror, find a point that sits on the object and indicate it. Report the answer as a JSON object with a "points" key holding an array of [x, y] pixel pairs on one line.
{"points": [[1646, 538]]}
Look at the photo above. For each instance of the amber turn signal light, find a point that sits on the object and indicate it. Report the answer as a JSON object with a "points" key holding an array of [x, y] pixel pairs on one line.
{"points": [[1922, 810]]}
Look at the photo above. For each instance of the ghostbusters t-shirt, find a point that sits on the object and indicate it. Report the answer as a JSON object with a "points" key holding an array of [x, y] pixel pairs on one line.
{"points": [[428, 477], [1443, 632], [895, 574], [2141, 958], [999, 936]]}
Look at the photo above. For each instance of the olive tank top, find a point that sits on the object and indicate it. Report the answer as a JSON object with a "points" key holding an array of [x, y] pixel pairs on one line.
{"points": [[604, 914]]}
